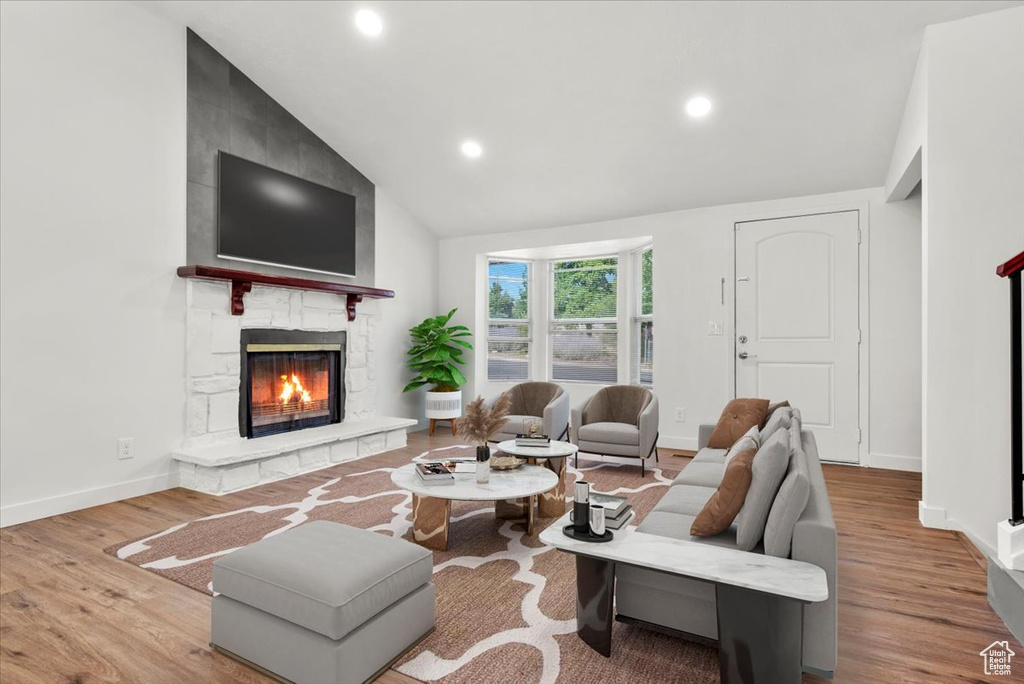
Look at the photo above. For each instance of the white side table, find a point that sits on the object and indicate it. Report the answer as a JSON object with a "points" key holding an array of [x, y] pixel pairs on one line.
{"points": [[551, 504]]}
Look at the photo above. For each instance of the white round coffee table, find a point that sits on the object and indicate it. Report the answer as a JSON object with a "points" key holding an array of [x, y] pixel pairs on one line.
{"points": [[552, 457], [432, 504]]}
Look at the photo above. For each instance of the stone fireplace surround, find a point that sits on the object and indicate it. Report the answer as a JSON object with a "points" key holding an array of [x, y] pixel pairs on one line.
{"points": [[214, 458]]}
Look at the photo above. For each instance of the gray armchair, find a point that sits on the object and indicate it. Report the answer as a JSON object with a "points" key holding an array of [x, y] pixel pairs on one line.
{"points": [[533, 401], [621, 420]]}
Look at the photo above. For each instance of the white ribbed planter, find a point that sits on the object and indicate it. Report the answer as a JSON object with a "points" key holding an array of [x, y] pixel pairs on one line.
{"points": [[444, 405]]}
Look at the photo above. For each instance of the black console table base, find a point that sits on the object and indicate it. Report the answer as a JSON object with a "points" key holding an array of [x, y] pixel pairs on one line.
{"points": [[760, 635]]}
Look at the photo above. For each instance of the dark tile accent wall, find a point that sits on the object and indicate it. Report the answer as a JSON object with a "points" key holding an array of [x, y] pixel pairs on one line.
{"points": [[228, 111]]}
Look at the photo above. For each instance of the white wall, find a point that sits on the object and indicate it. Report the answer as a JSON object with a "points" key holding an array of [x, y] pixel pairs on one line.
{"points": [[905, 165], [693, 251], [973, 220], [92, 227], [406, 263], [895, 334]]}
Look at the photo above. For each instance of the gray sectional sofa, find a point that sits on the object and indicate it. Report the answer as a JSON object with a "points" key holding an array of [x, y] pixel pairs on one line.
{"points": [[685, 605]]}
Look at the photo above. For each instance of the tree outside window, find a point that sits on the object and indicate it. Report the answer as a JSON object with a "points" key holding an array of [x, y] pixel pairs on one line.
{"points": [[584, 335], [508, 326]]}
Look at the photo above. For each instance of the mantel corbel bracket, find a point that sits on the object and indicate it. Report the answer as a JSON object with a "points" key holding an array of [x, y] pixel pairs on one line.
{"points": [[238, 290]]}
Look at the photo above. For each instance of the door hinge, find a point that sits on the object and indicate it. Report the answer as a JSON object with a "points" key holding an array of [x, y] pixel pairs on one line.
{"points": [[858, 236], [860, 336], [858, 435]]}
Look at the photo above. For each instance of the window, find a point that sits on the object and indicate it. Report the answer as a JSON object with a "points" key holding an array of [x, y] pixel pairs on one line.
{"points": [[583, 334], [508, 320], [643, 319]]}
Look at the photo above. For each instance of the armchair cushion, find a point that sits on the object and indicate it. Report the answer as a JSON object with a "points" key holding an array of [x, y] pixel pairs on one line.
{"points": [[739, 416], [610, 433], [514, 425], [536, 402], [617, 404], [531, 398], [621, 420]]}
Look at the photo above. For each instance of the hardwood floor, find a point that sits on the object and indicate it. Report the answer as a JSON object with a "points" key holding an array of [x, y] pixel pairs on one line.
{"points": [[913, 604]]}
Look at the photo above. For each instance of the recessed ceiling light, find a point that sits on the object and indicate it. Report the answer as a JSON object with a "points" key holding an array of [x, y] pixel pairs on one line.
{"points": [[369, 22], [472, 149], [698, 106]]}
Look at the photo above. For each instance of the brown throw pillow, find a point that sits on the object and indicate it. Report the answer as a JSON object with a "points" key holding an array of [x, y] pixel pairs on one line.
{"points": [[723, 506], [739, 416], [771, 410]]}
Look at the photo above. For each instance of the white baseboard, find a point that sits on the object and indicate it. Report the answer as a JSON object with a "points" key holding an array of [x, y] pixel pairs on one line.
{"points": [[935, 517], [667, 442], [894, 462], [15, 514]]}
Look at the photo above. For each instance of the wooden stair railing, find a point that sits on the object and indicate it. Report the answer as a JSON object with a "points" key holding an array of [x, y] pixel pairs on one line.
{"points": [[1012, 270]]}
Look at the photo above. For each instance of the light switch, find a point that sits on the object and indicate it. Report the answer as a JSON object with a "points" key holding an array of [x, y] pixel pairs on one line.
{"points": [[716, 328]]}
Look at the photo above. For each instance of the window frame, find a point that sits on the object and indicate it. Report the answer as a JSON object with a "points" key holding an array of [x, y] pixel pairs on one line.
{"points": [[638, 317], [528, 321], [553, 321]]}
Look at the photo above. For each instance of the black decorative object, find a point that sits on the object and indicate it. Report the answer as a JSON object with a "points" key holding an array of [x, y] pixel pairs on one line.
{"points": [[571, 532], [483, 453], [1012, 269], [581, 508]]}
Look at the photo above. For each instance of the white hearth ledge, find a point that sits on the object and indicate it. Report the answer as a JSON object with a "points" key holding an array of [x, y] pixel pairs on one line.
{"points": [[242, 463]]}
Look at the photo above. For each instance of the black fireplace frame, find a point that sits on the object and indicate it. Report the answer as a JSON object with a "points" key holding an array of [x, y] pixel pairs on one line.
{"points": [[287, 337]]}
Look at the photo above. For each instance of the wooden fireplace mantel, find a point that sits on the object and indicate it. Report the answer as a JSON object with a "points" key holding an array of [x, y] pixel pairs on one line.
{"points": [[242, 282]]}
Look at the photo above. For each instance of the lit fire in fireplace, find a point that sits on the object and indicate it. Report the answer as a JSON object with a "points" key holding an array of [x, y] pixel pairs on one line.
{"points": [[293, 391]]}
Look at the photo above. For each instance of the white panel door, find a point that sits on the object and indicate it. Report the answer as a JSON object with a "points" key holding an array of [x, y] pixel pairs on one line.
{"points": [[797, 312]]}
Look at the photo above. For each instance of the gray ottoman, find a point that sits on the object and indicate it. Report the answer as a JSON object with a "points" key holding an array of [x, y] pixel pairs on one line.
{"points": [[323, 603]]}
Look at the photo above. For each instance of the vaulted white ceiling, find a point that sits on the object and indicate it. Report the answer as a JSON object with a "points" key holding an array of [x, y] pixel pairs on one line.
{"points": [[579, 105]]}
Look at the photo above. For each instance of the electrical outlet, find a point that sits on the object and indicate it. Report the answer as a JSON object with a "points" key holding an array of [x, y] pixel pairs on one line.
{"points": [[126, 448], [680, 414]]}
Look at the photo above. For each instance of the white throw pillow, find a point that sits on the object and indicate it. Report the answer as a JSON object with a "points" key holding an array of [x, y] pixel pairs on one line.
{"points": [[750, 440]]}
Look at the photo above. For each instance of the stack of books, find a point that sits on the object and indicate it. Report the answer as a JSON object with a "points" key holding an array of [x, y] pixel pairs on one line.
{"points": [[617, 511], [434, 473], [532, 440]]}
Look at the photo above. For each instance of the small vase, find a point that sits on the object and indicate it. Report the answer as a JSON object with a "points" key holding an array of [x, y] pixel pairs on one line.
{"points": [[581, 508], [483, 464]]}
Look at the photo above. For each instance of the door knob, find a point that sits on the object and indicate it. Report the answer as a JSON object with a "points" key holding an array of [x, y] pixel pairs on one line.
{"points": [[743, 354]]}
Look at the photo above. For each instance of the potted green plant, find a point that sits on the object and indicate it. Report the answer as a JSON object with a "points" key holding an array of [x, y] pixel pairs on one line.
{"points": [[435, 357]]}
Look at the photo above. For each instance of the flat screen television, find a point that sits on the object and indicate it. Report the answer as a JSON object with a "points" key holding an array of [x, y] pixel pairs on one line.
{"points": [[270, 217]]}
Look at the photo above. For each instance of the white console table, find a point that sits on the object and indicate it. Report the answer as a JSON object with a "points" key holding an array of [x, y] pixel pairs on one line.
{"points": [[760, 598]]}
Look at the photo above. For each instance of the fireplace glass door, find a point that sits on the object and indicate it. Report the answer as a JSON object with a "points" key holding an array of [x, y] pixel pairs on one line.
{"points": [[292, 387]]}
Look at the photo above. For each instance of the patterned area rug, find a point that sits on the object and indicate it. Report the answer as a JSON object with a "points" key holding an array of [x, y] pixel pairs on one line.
{"points": [[505, 602]]}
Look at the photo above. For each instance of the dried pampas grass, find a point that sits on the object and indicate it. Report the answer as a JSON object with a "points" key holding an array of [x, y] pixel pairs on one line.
{"points": [[481, 421]]}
